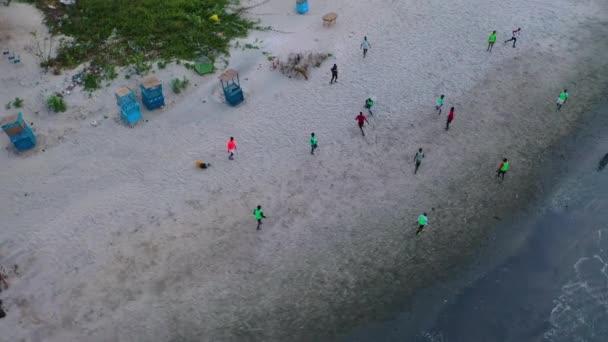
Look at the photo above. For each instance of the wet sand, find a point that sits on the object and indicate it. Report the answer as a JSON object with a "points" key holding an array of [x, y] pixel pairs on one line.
{"points": [[542, 276]]}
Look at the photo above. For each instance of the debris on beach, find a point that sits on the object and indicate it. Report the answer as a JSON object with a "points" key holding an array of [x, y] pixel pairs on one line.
{"points": [[79, 78], [300, 63], [603, 162]]}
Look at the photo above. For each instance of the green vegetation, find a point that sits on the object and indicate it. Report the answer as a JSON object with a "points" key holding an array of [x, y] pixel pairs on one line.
{"points": [[56, 104], [109, 72], [91, 82], [136, 32], [18, 102], [178, 85]]}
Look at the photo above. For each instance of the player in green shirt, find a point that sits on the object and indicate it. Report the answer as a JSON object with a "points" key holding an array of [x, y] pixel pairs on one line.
{"points": [[313, 143], [491, 41], [439, 105], [563, 97], [422, 221], [259, 215]]}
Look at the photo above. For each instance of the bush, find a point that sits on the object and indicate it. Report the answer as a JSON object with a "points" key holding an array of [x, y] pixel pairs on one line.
{"points": [[109, 72], [56, 104], [178, 85], [18, 103], [90, 82], [167, 30]]}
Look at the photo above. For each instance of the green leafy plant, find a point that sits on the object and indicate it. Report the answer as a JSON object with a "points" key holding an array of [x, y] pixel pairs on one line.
{"points": [[91, 82], [56, 104], [18, 102], [178, 85], [147, 29], [109, 72]]}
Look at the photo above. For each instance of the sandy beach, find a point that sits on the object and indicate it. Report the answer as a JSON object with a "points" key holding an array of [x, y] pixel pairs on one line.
{"points": [[117, 236]]}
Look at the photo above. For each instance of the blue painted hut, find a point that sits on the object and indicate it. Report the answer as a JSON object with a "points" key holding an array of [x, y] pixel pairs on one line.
{"points": [[152, 93], [232, 87], [302, 6], [129, 108], [19, 132]]}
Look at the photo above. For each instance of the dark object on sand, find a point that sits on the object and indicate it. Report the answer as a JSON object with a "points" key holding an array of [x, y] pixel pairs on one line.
{"points": [[2, 311], [603, 162], [201, 165]]}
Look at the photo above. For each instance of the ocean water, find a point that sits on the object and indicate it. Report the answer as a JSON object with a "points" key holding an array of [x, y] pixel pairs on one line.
{"points": [[542, 277]]}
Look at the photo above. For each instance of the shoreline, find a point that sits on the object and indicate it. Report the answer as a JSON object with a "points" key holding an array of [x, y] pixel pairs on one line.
{"points": [[433, 314], [148, 233]]}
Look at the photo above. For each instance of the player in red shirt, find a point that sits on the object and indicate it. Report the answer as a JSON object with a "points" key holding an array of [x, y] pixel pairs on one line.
{"points": [[361, 120], [231, 148], [450, 119]]}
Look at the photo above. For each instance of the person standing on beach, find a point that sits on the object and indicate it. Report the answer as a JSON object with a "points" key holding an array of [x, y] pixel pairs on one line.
{"points": [[502, 169], [422, 221], [313, 143], [365, 45], [491, 41], [361, 120], [439, 105], [418, 159], [513, 38], [450, 119], [259, 215], [231, 148], [561, 100], [334, 74]]}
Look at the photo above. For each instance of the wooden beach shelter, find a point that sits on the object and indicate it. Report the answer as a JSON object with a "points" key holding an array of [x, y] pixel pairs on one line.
{"points": [[129, 108], [329, 19], [18, 132], [152, 93], [232, 87]]}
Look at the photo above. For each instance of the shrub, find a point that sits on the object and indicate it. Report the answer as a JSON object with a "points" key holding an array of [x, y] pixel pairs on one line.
{"points": [[56, 104], [109, 72], [18, 102], [90, 82], [178, 85]]}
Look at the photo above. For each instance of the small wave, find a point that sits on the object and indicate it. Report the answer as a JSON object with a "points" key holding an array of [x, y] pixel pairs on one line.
{"points": [[581, 310]]}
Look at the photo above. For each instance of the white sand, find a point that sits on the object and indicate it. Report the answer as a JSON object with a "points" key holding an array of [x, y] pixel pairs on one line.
{"points": [[119, 238]]}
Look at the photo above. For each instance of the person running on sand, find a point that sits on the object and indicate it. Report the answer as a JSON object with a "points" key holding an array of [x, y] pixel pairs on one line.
{"points": [[334, 74], [422, 221], [365, 45], [502, 169], [231, 148], [491, 41], [418, 159], [361, 120], [313, 143], [369, 103], [513, 38], [439, 105], [450, 119], [561, 100], [259, 215]]}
